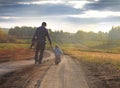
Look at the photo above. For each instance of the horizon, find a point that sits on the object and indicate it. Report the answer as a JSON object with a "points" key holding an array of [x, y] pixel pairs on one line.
{"points": [[67, 15], [60, 30]]}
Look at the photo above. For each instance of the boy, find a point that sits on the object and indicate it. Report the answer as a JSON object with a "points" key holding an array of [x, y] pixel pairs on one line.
{"points": [[58, 52]]}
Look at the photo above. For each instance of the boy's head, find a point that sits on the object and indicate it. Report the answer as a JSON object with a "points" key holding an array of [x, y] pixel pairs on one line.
{"points": [[56, 46]]}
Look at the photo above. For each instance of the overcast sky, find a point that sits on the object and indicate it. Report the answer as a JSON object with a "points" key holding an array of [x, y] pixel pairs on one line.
{"points": [[66, 15]]}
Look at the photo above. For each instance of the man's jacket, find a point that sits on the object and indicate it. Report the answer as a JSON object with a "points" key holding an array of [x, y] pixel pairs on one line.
{"points": [[40, 34]]}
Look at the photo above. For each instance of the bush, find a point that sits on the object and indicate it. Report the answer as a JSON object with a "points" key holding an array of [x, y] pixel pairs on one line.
{"points": [[3, 36], [11, 39]]}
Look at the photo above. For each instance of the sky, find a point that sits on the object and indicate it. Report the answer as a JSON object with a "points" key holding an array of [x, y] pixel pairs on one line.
{"points": [[66, 15]]}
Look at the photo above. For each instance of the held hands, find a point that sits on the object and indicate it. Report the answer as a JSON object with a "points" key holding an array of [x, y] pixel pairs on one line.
{"points": [[51, 46]]}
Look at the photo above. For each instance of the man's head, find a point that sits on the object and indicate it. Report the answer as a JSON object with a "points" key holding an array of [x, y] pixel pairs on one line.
{"points": [[44, 24]]}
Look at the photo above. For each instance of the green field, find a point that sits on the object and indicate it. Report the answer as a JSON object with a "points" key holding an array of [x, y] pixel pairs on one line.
{"points": [[108, 55], [7, 46], [97, 56]]}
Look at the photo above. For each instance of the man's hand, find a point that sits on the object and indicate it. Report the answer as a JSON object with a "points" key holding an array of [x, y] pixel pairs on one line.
{"points": [[51, 46]]}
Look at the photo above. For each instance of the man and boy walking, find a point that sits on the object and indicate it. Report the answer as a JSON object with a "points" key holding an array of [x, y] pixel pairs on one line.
{"points": [[39, 41]]}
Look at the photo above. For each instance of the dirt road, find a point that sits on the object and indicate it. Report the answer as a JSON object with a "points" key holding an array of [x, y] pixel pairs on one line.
{"points": [[16, 65], [68, 74]]}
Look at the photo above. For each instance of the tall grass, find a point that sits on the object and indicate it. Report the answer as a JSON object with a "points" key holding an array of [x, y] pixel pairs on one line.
{"points": [[11, 52], [95, 57], [8, 46]]}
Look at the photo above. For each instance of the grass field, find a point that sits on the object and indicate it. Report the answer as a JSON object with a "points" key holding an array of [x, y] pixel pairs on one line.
{"points": [[102, 68], [10, 52], [95, 57], [8, 46], [104, 46]]}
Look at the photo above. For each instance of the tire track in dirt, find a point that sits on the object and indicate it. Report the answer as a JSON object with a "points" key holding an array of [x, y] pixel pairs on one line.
{"points": [[67, 74], [27, 77]]}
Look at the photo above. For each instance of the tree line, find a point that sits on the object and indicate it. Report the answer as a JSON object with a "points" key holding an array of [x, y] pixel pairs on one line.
{"points": [[3, 35], [63, 37]]}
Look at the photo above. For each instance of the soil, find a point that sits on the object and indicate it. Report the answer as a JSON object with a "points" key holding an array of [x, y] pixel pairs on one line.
{"points": [[31, 75], [97, 75], [103, 75]]}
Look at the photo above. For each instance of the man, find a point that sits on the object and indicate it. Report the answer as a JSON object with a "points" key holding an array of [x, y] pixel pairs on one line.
{"points": [[40, 35]]}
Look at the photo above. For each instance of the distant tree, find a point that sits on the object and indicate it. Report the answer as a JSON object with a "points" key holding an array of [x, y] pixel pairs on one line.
{"points": [[22, 32], [101, 36], [60, 36], [3, 36], [114, 34]]}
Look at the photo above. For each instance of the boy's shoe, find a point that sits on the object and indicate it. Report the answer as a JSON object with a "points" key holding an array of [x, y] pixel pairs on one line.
{"points": [[56, 63]]}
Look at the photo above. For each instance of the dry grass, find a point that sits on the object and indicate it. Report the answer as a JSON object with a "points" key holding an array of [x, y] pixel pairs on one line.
{"points": [[102, 69], [10, 52], [15, 54], [97, 57]]}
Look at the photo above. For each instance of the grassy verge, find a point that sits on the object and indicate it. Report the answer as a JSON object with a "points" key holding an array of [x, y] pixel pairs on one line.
{"points": [[8, 46], [102, 69], [95, 57], [11, 52]]}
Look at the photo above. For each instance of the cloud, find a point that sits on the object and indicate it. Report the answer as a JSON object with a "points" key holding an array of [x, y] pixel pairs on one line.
{"points": [[78, 4], [11, 2], [111, 5], [75, 4], [96, 14], [81, 21], [70, 13], [42, 2], [37, 10]]}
